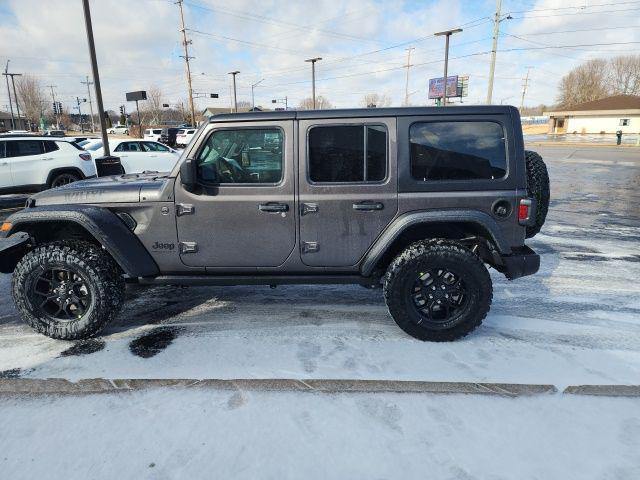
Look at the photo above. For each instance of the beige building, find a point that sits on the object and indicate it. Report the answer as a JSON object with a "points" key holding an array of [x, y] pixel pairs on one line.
{"points": [[607, 115]]}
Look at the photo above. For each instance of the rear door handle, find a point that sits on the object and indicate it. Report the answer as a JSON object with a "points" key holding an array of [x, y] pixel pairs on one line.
{"points": [[368, 206], [273, 207]]}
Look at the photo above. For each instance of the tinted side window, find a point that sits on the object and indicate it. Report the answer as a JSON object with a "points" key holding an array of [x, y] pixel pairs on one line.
{"points": [[347, 153], [23, 148], [2, 150], [50, 146], [154, 147], [242, 156], [457, 151]]}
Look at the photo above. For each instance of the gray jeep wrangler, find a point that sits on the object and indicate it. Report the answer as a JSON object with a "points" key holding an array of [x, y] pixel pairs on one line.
{"points": [[418, 201]]}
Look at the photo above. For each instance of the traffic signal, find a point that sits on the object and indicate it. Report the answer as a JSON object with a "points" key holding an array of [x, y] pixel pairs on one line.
{"points": [[121, 109]]}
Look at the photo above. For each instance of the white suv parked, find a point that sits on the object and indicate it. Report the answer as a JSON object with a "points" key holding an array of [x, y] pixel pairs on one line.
{"points": [[153, 134], [38, 163], [184, 136]]}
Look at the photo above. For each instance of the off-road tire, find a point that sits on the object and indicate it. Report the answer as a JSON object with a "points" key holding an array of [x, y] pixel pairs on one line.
{"points": [[427, 254], [103, 280], [538, 188]]}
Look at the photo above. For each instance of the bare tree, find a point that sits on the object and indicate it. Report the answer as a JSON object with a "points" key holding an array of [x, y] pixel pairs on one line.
{"points": [[584, 83], [600, 78], [625, 74], [321, 103], [152, 112], [376, 100], [32, 98]]}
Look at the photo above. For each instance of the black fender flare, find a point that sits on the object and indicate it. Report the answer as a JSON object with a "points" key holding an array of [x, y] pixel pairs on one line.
{"points": [[101, 223], [400, 224]]}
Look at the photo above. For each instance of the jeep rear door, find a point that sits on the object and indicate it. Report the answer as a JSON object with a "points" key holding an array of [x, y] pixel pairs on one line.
{"points": [[347, 187], [243, 212]]}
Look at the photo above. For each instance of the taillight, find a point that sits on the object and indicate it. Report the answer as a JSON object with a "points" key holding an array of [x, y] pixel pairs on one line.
{"points": [[524, 210], [85, 156]]}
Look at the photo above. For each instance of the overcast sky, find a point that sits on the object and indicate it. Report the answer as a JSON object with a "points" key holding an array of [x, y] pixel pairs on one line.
{"points": [[362, 43]]}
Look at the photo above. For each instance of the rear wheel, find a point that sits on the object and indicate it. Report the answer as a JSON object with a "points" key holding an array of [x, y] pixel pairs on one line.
{"points": [[68, 290], [64, 179], [437, 290], [538, 188]]}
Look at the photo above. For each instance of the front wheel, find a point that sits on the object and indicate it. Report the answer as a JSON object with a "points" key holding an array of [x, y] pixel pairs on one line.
{"points": [[67, 290], [437, 290]]}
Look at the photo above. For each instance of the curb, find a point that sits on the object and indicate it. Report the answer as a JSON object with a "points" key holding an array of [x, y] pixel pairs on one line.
{"points": [[578, 144], [604, 390], [60, 386]]}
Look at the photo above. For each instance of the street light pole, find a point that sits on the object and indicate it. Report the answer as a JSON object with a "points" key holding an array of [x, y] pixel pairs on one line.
{"points": [[235, 96], [313, 78], [96, 77], [446, 34], [253, 100]]}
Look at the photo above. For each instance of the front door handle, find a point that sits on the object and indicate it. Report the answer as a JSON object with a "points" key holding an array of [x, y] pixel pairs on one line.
{"points": [[273, 207], [368, 206]]}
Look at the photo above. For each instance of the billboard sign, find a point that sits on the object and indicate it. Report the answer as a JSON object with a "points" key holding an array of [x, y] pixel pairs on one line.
{"points": [[436, 87], [135, 96]]}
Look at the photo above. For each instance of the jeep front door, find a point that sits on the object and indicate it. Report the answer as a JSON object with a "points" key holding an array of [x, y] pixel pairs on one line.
{"points": [[348, 187], [242, 213]]}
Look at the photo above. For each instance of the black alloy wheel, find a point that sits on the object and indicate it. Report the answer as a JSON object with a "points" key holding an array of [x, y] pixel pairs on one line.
{"points": [[59, 294], [439, 296]]}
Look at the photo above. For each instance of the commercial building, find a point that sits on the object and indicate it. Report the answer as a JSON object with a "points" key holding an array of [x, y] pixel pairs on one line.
{"points": [[607, 115]]}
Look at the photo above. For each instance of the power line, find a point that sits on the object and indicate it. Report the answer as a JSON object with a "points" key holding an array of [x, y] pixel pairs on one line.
{"points": [[579, 7]]}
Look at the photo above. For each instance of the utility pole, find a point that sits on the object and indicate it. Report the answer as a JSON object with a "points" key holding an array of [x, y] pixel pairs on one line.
{"points": [[446, 34], [406, 85], [88, 83], [15, 95], [253, 100], [185, 44], [525, 85], [6, 76], [235, 96], [96, 77], [55, 110], [313, 78], [496, 32]]}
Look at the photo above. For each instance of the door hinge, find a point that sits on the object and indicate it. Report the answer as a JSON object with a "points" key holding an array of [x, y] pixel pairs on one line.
{"points": [[310, 247], [188, 247], [184, 209], [308, 208]]}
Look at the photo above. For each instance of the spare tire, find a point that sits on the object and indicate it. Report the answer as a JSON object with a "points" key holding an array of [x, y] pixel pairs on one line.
{"points": [[538, 188]]}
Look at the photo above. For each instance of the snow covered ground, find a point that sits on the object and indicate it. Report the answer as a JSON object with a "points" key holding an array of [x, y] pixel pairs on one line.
{"points": [[576, 322], [168, 434]]}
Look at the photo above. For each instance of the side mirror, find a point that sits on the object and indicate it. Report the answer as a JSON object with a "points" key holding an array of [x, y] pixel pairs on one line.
{"points": [[188, 173]]}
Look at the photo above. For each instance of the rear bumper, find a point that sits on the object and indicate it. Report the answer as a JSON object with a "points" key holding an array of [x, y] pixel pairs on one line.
{"points": [[522, 262]]}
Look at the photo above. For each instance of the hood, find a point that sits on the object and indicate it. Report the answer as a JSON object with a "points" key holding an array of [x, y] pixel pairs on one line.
{"points": [[115, 189]]}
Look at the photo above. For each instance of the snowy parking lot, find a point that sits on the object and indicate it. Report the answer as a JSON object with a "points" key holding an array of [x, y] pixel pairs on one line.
{"points": [[576, 322]]}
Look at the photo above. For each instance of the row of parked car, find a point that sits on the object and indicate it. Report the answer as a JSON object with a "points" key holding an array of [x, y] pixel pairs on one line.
{"points": [[32, 163], [174, 137]]}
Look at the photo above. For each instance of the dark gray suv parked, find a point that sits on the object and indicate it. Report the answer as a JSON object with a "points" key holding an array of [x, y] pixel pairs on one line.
{"points": [[418, 201]]}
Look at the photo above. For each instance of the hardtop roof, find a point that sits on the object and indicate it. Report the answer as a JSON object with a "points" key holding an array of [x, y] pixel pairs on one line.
{"points": [[363, 112]]}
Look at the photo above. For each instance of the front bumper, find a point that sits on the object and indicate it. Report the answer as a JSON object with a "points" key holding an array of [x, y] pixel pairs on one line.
{"points": [[522, 262]]}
